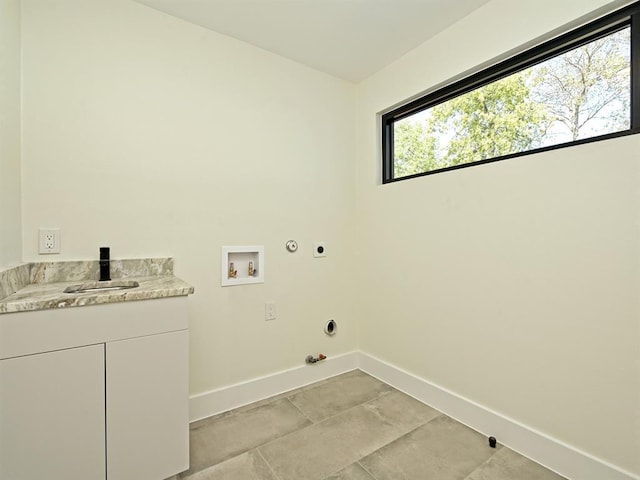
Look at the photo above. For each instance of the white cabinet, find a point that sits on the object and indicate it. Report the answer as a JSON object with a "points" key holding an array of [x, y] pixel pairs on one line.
{"points": [[69, 378], [52, 415], [147, 407]]}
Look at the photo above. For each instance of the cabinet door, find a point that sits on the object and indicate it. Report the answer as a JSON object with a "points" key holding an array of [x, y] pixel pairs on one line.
{"points": [[147, 406], [52, 415]]}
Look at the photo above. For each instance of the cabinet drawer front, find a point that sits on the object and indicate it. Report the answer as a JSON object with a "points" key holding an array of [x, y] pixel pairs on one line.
{"points": [[26, 333]]}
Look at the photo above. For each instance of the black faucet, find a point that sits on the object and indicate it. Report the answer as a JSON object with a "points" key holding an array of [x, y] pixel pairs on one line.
{"points": [[105, 264]]}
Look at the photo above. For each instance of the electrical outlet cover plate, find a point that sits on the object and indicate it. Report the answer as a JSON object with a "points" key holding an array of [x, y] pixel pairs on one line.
{"points": [[48, 240], [270, 311]]}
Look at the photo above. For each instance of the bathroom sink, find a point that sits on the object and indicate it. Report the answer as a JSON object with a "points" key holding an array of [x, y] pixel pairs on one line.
{"points": [[102, 286]]}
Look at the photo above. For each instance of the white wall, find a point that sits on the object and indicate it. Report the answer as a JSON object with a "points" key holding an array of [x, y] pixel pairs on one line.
{"points": [[10, 211], [157, 137], [514, 284]]}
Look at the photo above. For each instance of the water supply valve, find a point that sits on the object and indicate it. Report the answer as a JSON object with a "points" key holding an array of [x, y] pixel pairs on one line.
{"points": [[311, 359]]}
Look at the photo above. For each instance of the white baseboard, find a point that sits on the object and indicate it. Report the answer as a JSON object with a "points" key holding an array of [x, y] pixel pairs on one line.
{"points": [[555, 455], [223, 399]]}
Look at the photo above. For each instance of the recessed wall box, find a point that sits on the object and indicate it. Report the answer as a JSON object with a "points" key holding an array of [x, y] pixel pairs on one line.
{"points": [[242, 265]]}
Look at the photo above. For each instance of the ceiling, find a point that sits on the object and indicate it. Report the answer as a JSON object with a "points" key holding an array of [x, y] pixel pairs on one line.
{"points": [[350, 39]]}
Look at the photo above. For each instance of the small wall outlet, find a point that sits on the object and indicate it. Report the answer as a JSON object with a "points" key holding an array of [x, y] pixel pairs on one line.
{"points": [[319, 249], [48, 240], [270, 311]]}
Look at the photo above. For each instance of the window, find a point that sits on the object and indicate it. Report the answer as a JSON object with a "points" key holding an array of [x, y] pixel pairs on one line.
{"points": [[582, 86]]}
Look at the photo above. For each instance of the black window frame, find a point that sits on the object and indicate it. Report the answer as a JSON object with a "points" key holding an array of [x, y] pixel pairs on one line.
{"points": [[627, 16]]}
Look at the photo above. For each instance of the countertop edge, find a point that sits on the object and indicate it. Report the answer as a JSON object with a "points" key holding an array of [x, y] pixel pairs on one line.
{"points": [[49, 296]]}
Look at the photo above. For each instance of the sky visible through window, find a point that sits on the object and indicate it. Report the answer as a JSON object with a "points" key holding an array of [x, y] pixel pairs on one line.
{"points": [[582, 93]]}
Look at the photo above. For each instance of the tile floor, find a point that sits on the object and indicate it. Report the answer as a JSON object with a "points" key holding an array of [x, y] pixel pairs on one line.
{"points": [[348, 427]]}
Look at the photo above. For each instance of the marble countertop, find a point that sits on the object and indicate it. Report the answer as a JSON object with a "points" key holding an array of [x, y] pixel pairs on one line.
{"points": [[40, 294]]}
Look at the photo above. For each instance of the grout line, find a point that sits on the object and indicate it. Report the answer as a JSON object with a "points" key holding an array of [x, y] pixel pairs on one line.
{"points": [[393, 441], [366, 469], [268, 464], [301, 412], [500, 447], [375, 397], [321, 420]]}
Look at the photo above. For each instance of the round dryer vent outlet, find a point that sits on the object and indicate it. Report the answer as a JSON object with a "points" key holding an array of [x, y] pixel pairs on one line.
{"points": [[331, 327]]}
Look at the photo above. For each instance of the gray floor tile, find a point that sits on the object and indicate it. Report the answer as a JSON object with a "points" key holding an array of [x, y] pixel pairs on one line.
{"points": [[508, 465], [352, 472], [441, 449], [326, 447], [248, 466], [323, 431], [225, 436], [402, 410], [339, 394], [294, 391]]}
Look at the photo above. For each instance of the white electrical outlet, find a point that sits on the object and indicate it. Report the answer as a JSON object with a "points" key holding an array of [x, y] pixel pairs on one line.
{"points": [[270, 311], [48, 240]]}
